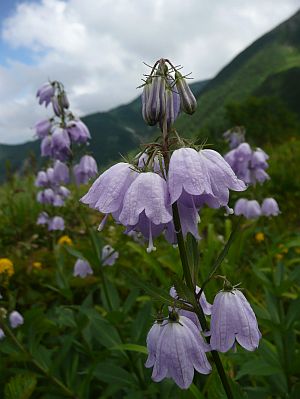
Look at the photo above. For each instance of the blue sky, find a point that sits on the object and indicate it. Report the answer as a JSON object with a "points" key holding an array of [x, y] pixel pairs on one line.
{"points": [[97, 48]]}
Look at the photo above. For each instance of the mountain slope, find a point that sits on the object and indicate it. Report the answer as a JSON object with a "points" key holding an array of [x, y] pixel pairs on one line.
{"points": [[276, 52]]}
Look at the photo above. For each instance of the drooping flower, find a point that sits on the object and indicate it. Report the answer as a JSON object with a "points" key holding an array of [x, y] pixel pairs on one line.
{"points": [[179, 350], [145, 205], [82, 269], [108, 191], [60, 172], [196, 178], [86, 169], [43, 218], [270, 207], [63, 191], [2, 335], [41, 179], [46, 196], [249, 209], [6, 267], [109, 255], [15, 319], [78, 131], [234, 137], [56, 223], [232, 318], [46, 146], [61, 144], [152, 341], [43, 128], [45, 93]]}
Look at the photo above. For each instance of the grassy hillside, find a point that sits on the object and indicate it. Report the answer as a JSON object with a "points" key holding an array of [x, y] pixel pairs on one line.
{"points": [[252, 72]]}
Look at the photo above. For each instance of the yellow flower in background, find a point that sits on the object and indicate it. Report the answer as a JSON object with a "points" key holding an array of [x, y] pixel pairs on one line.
{"points": [[279, 256], [37, 265], [65, 240], [259, 237], [6, 266], [284, 250], [297, 250]]}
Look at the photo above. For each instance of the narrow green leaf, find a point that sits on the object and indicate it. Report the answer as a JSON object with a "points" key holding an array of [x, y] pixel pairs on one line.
{"points": [[20, 387], [131, 347]]}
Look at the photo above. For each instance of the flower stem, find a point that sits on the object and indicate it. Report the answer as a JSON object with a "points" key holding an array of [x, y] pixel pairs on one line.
{"points": [[196, 304]]}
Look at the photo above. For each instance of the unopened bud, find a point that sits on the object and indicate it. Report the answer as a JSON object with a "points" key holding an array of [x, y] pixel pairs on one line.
{"points": [[154, 97], [187, 99], [172, 107]]}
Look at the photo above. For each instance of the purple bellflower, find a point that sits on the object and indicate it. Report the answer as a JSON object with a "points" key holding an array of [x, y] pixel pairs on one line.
{"points": [[43, 128], [46, 146], [61, 144], [176, 350], [109, 255], [60, 173], [86, 169], [43, 218], [249, 209], [45, 93], [145, 205], [78, 131], [201, 177], [56, 223], [41, 179], [15, 319], [107, 192], [82, 269], [232, 318], [270, 207]]}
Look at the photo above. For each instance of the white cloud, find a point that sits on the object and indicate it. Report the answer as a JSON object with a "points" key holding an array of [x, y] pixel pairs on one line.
{"points": [[96, 48]]}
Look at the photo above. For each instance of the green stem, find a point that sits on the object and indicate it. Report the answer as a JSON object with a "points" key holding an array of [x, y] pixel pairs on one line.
{"points": [[196, 304], [52, 378]]}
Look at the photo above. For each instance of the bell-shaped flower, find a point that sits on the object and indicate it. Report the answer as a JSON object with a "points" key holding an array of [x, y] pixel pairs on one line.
{"points": [[109, 255], [86, 169], [108, 191], [259, 159], [78, 131], [2, 334], [58, 200], [15, 319], [60, 173], [179, 350], [43, 218], [82, 269], [63, 191], [234, 137], [41, 179], [249, 209], [152, 341], [147, 195], [46, 146], [232, 318], [56, 106], [56, 223], [201, 177], [46, 196], [45, 93], [61, 144], [42, 128], [270, 207]]}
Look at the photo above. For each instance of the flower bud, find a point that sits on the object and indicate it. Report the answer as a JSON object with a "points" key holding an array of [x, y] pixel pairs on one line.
{"points": [[154, 100], [187, 100], [172, 107]]}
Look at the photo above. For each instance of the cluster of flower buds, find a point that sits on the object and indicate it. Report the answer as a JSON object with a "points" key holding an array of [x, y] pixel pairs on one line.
{"points": [[58, 136], [141, 198], [251, 209], [176, 346], [82, 268], [165, 94]]}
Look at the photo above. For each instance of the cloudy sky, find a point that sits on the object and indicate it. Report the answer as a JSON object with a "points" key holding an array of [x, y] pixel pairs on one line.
{"points": [[96, 48]]}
